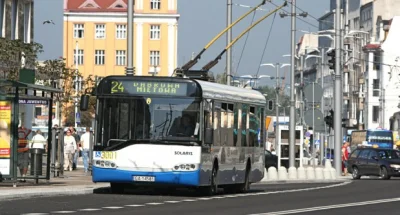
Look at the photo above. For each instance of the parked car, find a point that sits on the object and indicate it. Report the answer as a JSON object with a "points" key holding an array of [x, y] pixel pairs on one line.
{"points": [[374, 162], [270, 160]]}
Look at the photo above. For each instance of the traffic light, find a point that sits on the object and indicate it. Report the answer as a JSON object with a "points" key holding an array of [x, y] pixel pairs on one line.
{"points": [[332, 60], [329, 119], [270, 105]]}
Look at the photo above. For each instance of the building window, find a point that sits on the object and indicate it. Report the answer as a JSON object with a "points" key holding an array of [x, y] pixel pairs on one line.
{"points": [[120, 57], [100, 31], [154, 58], [155, 4], [375, 113], [121, 32], [78, 56], [155, 32], [99, 57], [79, 30], [375, 87]]}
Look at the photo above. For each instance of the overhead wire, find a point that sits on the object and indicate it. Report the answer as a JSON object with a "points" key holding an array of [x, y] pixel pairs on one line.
{"points": [[266, 44], [298, 17], [244, 46]]}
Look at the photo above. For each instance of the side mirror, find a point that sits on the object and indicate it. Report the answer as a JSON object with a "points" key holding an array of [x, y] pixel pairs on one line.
{"points": [[208, 138], [84, 106], [375, 157]]}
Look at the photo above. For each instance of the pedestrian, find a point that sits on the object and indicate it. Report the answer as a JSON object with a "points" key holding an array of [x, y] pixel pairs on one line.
{"points": [[86, 138], [70, 148], [23, 151], [77, 140], [38, 141], [345, 157]]}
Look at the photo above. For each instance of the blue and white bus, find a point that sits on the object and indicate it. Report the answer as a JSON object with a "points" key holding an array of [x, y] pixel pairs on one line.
{"points": [[177, 131], [377, 138]]}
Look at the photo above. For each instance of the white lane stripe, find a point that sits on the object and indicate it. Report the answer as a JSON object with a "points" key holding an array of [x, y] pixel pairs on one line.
{"points": [[35, 214], [62, 212], [154, 203], [188, 200], [172, 201], [218, 197], [90, 209], [204, 198], [112, 207], [302, 210], [134, 205]]}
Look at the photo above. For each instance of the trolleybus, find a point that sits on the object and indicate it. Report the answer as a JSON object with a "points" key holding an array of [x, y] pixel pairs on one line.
{"points": [[177, 131]]}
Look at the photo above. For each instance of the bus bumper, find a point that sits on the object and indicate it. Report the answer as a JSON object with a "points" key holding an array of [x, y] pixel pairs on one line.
{"points": [[123, 176]]}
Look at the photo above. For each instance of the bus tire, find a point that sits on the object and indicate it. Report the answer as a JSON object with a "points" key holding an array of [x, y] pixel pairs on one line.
{"points": [[213, 187], [245, 187], [117, 188]]}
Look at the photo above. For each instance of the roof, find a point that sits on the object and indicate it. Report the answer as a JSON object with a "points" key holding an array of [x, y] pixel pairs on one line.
{"points": [[21, 85], [214, 90], [372, 47], [95, 5]]}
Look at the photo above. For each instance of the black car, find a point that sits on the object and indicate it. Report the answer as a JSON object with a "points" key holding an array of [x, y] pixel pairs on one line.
{"points": [[374, 162]]}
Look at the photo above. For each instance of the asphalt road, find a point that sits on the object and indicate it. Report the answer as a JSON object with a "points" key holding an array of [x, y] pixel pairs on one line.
{"points": [[357, 197]]}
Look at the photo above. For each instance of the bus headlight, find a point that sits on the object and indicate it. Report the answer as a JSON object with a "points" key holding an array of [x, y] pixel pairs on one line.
{"points": [[186, 167], [396, 166], [104, 164]]}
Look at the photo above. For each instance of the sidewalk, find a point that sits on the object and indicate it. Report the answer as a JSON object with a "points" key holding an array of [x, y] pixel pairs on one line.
{"points": [[72, 183]]}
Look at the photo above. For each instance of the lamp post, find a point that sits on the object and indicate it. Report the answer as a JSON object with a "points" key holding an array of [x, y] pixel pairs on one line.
{"points": [[276, 66]]}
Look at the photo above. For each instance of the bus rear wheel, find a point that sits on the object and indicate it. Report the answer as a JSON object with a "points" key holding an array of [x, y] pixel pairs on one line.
{"points": [[117, 188], [245, 187], [213, 187]]}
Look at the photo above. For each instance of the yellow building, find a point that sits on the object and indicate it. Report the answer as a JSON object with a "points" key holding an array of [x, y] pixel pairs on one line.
{"points": [[95, 32]]}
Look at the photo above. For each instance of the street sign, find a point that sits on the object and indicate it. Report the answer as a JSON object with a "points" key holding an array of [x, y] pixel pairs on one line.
{"points": [[313, 92], [78, 117], [316, 118]]}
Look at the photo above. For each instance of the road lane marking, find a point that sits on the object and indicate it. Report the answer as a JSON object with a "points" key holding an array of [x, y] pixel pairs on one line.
{"points": [[172, 202], [113, 207], [62, 212], [199, 199], [328, 207], [155, 203], [90, 209]]}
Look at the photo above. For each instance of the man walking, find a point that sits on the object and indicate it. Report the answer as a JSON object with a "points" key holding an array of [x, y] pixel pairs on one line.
{"points": [[86, 138]]}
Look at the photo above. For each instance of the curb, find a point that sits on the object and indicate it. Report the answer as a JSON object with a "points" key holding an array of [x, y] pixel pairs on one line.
{"points": [[12, 194], [302, 181]]}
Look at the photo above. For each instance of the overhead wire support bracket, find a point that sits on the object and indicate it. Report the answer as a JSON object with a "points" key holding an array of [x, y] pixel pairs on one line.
{"points": [[215, 61], [193, 61]]}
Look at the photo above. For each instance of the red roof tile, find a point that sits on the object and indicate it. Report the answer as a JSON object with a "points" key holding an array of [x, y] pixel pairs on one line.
{"points": [[73, 6]]}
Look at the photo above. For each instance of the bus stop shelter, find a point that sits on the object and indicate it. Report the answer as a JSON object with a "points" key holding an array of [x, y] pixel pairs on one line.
{"points": [[12, 95]]}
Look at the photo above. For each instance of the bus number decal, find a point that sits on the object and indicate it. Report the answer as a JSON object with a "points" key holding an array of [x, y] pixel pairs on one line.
{"points": [[108, 155], [116, 87]]}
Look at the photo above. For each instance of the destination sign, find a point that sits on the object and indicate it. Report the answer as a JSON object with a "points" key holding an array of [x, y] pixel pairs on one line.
{"points": [[33, 101], [148, 88]]}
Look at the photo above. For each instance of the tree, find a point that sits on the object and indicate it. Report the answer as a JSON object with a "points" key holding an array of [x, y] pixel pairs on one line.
{"points": [[221, 78], [57, 74], [15, 54]]}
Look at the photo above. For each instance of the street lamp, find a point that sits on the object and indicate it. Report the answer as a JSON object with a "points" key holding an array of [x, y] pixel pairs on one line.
{"points": [[276, 66]]}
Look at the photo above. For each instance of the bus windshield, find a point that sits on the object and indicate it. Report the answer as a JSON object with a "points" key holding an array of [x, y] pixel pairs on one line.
{"points": [[148, 119]]}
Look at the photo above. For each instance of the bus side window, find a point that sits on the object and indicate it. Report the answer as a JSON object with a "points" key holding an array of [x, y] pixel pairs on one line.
{"points": [[229, 131], [224, 123], [245, 124], [217, 125]]}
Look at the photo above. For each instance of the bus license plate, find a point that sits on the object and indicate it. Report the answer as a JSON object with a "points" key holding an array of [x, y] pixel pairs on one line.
{"points": [[144, 178]]}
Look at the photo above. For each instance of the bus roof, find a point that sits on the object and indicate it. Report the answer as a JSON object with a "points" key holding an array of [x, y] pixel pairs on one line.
{"points": [[210, 90], [219, 91]]}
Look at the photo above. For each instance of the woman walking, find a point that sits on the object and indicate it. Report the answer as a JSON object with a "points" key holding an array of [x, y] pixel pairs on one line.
{"points": [[70, 148]]}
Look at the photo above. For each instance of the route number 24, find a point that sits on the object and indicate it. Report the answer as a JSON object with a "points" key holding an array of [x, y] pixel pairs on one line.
{"points": [[117, 87]]}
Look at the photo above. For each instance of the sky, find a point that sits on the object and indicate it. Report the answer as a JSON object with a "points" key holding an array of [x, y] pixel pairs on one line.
{"points": [[199, 22]]}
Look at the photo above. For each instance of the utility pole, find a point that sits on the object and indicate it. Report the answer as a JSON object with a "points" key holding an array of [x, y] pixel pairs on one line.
{"points": [[292, 115], [76, 83], [228, 41], [129, 68], [277, 105], [337, 121], [322, 66], [302, 67]]}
